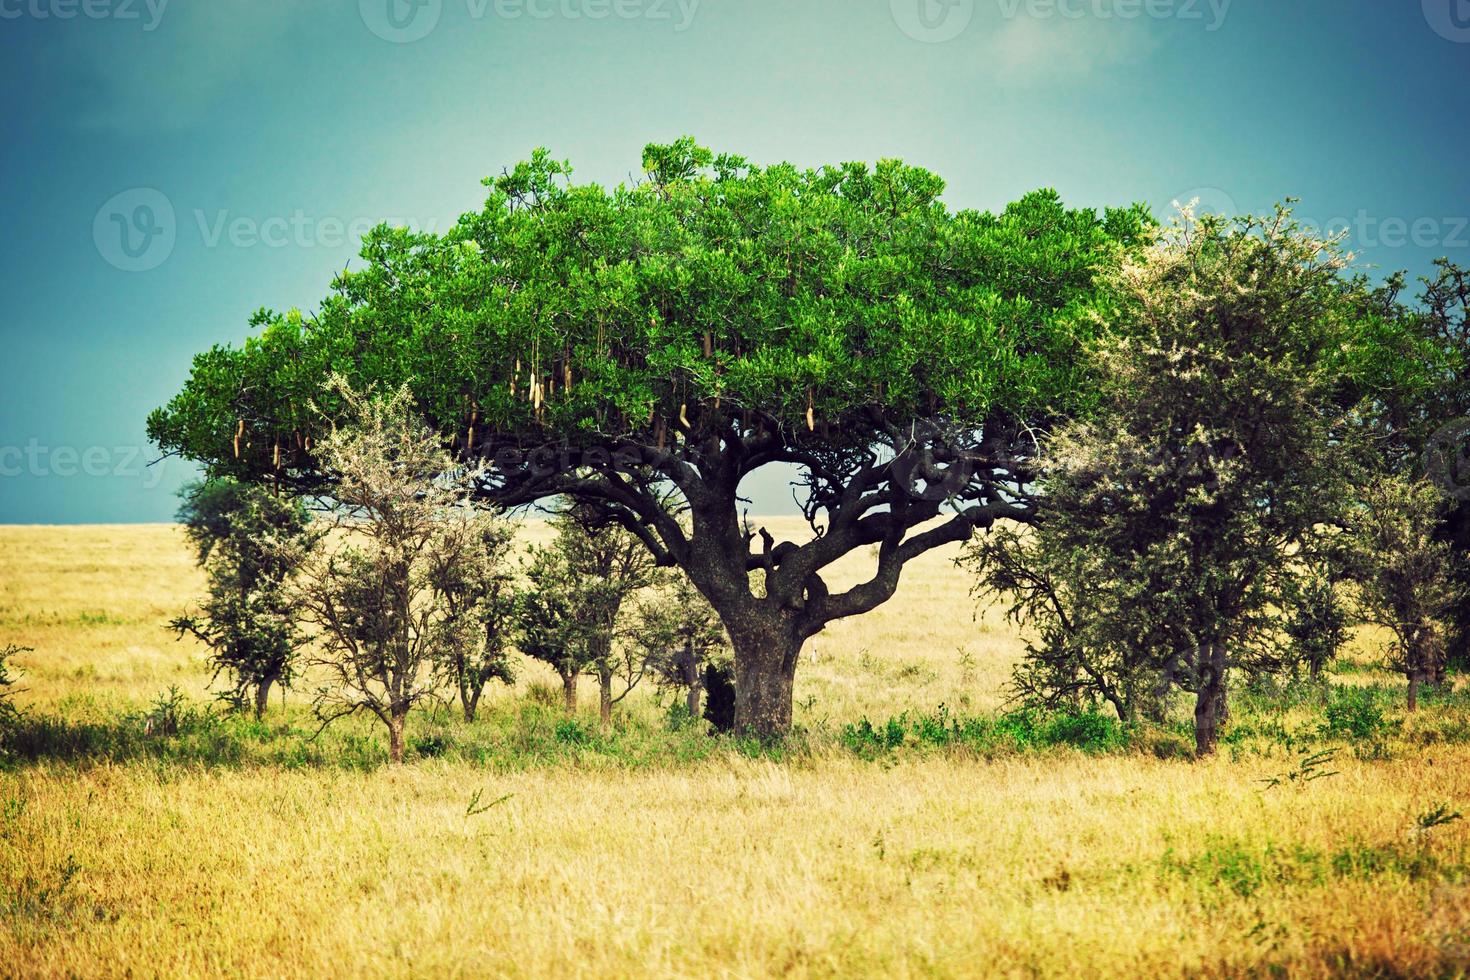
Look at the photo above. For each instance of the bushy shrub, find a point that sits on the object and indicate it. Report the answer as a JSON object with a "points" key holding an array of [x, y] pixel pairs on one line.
{"points": [[1354, 712], [9, 713], [1023, 730]]}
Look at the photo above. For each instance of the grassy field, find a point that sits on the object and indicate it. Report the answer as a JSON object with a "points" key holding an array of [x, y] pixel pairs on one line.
{"points": [[972, 841]]}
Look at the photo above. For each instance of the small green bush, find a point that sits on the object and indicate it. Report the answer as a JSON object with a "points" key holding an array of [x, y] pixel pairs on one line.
{"points": [[9, 713], [1015, 731], [572, 731], [1354, 713]]}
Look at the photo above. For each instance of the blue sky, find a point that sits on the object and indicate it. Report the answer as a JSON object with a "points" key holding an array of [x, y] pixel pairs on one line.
{"points": [[171, 165]]}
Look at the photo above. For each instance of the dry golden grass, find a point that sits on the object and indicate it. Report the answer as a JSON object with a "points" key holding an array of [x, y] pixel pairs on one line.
{"points": [[824, 864]]}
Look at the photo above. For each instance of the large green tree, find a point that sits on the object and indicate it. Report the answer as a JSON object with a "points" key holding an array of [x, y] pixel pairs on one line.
{"points": [[685, 330]]}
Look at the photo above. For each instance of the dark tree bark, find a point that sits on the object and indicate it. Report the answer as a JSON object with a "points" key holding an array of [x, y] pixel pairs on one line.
{"points": [[604, 694], [263, 695], [766, 654], [1210, 707], [1424, 662], [569, 690], [719, 698], [397, 722], [469, 697], [904, 485], [689, 668]]}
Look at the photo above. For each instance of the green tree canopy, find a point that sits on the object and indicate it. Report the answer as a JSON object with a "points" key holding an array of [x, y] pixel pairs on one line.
{"points": [[688, 329]]}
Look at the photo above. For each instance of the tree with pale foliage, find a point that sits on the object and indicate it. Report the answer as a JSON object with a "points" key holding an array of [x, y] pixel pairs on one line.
{"points": [[1404, 574], [547, 628], [1221, 449], [401, 514], [475, 581]]}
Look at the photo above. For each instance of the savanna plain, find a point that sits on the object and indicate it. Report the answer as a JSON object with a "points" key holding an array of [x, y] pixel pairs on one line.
{"points": [[916, 824]]}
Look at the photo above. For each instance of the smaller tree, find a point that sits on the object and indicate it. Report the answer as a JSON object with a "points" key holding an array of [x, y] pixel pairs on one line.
{"points": [[680, 633], [579, 617], [1404, 574], [250, 542], [9, 713], [473, 579], [401, 513], [547, 626], [1092, 641], [1222, 445], [1317, 618]]}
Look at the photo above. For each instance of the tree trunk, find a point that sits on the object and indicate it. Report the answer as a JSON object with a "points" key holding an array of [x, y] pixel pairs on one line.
{"points": [[690, 667], [569, 690], [765, 669], [263, 695], [1434, 658], [1210, 708], [468, 700], [396, 724], [469, 690], [1420, 666], [604, 699], [691, 699]]}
